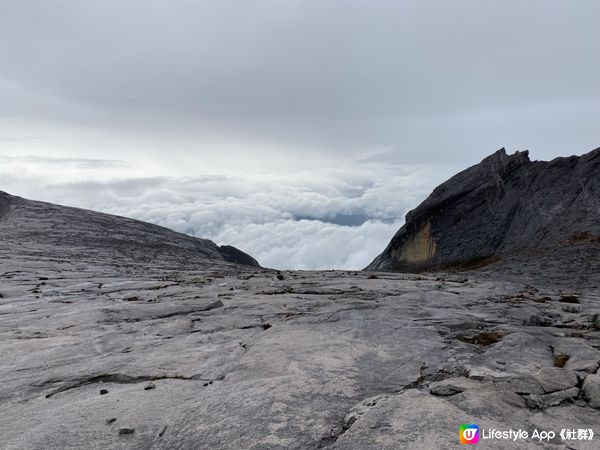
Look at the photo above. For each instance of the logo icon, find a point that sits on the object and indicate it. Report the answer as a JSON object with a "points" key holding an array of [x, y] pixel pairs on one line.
{"points": [[468, 433]]}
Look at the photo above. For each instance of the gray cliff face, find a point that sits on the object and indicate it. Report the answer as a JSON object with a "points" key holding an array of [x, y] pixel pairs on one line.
{"points": [[53, 231], [504, 206]]}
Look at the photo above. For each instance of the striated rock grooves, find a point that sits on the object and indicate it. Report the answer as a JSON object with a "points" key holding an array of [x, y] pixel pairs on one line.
{"points": [[503, 207], [53, 231]]}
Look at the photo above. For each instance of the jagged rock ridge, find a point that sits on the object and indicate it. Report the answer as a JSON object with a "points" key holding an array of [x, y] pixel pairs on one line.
{"points": [[44, 230], [505, 205]]}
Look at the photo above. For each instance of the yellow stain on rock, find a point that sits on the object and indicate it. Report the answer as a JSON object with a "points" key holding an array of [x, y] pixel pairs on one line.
{"points": [[420, 247]]}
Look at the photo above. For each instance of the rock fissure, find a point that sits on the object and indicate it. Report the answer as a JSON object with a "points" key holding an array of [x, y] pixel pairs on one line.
{"points": [[119, 378]]}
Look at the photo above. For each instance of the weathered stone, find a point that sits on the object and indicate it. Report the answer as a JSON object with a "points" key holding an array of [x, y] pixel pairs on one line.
{"points": [[524, 384], [591, 390], [446, 390], [453, 386], [56, 231], [552, 399], [555, 379], [582, 357]]}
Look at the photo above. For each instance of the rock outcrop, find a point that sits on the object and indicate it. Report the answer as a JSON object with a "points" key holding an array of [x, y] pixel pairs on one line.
{"points": [[44, 230], [506, 205]]}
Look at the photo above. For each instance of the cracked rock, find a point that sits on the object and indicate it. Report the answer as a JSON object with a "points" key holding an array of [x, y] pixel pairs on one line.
{"points": [[591, 390], [555, 379], [452, 386], [126, 431], [553, 399]]}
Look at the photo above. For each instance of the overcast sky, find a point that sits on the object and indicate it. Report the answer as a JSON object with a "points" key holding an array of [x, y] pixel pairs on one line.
{"points": [[298, 131]]}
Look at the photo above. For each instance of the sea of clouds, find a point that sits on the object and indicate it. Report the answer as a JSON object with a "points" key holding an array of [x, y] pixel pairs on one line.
{"points": [[328, 219]]}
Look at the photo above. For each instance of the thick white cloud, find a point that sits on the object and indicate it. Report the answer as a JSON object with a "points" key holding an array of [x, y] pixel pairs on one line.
{"points": [[311, 244], [284, 222]]}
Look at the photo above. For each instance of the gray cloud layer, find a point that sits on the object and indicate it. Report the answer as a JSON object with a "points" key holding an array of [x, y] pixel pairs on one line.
{"points": [[440, 78]]}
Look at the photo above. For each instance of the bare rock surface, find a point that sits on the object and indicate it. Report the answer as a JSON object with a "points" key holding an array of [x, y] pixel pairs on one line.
{"points": [[507, 206], [54, 232], [591, 390], [236, 358]]}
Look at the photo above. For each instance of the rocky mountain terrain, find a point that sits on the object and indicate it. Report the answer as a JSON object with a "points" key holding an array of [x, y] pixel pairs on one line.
{"points": [[119, 335], [44, 231], [505, 206]]}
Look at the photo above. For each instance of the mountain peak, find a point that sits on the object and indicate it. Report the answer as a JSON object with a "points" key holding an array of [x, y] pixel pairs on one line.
{"points": [[60, 232], [504, 205]]}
